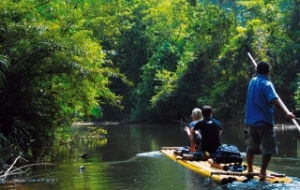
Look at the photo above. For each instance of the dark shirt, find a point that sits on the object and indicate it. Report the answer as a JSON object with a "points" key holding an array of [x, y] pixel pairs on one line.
{"points": [[210, 131]]}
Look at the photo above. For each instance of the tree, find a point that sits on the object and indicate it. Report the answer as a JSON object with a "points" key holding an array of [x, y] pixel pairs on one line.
{"points": [[55, 71]]}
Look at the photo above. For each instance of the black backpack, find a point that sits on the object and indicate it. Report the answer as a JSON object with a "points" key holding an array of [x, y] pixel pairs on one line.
{"points": [[227, 153]]}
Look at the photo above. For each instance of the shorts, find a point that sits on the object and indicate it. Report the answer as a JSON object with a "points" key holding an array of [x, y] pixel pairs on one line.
{"points": [[262, 140]]}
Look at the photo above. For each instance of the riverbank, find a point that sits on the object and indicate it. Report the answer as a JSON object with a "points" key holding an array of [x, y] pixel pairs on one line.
{"points": [[97, 123]]}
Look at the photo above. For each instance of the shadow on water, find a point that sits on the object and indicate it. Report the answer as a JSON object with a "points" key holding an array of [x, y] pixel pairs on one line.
{"points": [[129, 158]]}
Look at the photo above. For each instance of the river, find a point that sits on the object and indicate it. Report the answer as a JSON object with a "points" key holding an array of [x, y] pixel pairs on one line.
{"points": [[129, 158]]}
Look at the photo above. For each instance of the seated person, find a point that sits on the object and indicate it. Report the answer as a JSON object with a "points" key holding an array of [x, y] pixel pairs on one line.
{"points": [[210, 130], [196, 117]]}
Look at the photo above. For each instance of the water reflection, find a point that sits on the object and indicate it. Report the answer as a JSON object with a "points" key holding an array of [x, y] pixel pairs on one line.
{"points": [[129, 158]]}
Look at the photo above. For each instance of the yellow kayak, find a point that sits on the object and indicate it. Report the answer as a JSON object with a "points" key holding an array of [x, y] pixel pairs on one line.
{"points": [[217, 173]]}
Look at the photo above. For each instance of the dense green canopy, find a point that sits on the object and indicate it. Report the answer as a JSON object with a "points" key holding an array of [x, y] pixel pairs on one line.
{"points": [[61, 61]]}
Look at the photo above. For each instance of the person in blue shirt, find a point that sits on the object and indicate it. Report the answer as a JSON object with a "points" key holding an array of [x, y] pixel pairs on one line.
{"points": [[259, 118]]}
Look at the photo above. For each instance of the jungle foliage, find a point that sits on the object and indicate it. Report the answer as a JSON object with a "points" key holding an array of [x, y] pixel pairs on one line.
{"points": [[61, 61]]}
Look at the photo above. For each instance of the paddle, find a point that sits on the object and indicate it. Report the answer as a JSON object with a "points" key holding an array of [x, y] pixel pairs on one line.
{"points": [[280, 101]]}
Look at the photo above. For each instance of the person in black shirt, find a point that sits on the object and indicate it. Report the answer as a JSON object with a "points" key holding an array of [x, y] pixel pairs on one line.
{"points": [[210, 131]]}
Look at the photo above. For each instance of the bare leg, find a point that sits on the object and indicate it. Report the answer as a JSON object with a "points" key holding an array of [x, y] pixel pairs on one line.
{"points": [[250, 158], [193, 147], [265, 162], [192, 144]]}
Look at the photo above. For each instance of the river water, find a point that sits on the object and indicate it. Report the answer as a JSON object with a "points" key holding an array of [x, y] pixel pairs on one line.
{"points": [[129, 158]]}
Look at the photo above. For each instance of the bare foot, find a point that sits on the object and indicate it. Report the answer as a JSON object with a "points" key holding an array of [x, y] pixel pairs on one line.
{"points": [[263, 176], [250, 174]]}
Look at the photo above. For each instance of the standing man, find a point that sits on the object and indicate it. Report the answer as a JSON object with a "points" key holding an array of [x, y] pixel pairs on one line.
{"points": [[261, 99]]}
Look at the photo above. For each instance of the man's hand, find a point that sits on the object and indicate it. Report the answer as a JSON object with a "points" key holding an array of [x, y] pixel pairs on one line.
{"points": [[279, 104], [290, 115]]}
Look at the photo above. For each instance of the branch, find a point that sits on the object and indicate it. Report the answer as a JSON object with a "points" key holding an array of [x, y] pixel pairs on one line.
{"points": [[7, 171], [19, 170], [43, 3]]}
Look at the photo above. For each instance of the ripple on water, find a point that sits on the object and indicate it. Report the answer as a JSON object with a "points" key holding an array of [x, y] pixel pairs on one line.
{"points": [[150, 154]]}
